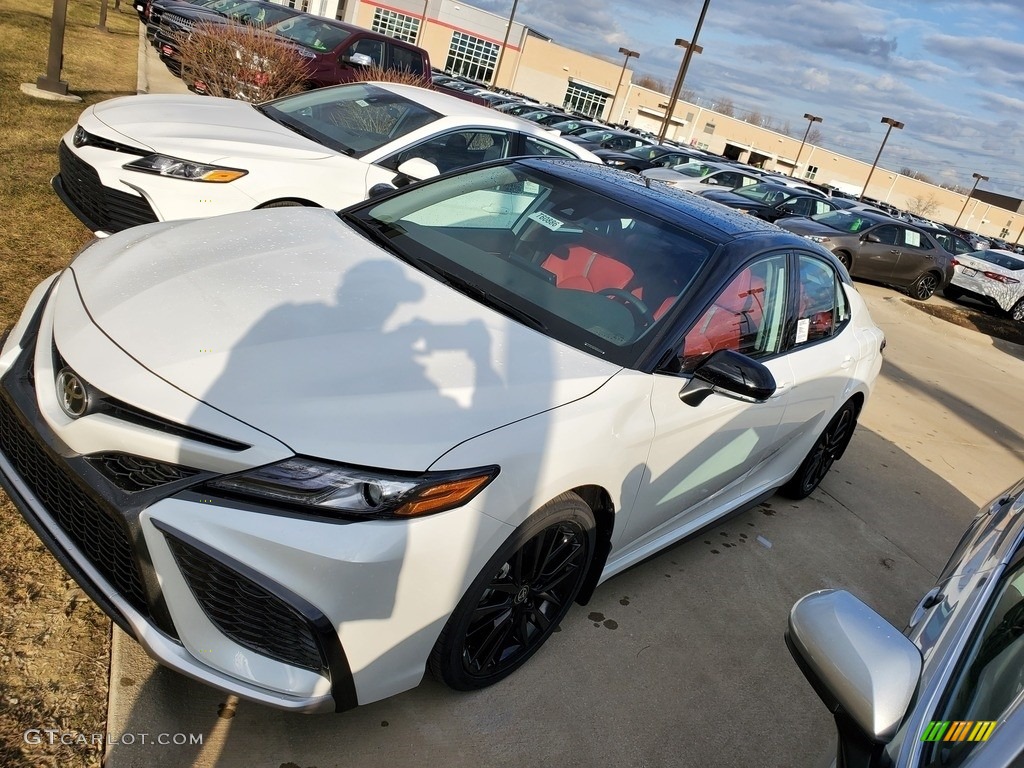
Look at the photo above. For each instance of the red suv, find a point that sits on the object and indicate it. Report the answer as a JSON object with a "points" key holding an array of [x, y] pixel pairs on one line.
{"points": [[340, 52]]}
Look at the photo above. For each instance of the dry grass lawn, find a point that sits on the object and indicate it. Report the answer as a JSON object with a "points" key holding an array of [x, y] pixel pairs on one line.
{"points": [[53, 641]]}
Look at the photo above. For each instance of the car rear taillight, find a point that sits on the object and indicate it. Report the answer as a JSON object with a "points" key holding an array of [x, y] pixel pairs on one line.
{"points": [[954, 263], [1000, 278]]}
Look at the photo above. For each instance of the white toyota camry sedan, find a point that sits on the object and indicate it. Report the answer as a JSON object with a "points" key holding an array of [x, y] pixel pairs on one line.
{"points": [[141, 159], [305, 456]]}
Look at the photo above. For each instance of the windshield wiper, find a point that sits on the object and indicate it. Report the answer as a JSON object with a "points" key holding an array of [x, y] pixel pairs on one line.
{"points": [[490, 300]]}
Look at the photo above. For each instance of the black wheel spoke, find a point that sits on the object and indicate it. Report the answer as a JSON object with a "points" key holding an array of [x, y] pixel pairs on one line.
{"points": [[482, 612], [491, 646], [541, 621], [564, 570]]}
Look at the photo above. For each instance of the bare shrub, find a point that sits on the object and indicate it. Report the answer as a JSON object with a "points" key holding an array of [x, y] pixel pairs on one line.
{"points": [[379, 74], [240, 62]]}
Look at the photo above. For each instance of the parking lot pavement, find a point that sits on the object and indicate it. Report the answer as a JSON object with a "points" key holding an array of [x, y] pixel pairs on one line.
{"points": [[679, 661]]}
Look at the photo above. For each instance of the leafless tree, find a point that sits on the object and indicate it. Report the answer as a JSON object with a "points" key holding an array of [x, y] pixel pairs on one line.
{"points": [[923, 205], [240, 62], [724, 106]]}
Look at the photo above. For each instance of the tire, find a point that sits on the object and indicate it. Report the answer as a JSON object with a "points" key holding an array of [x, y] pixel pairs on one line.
{"points": [[952, 293], [924, 287], [505, 616], [1017, 311], [827, 449], [844, 258]]}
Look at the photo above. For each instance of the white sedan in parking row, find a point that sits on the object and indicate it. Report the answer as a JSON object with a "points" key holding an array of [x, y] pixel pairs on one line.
{"points": [[697, 176], [305, 456], [140, 159], [993, 276]]}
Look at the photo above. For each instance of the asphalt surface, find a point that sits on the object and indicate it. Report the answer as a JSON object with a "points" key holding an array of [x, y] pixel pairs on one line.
{"points": [[680, 661]]}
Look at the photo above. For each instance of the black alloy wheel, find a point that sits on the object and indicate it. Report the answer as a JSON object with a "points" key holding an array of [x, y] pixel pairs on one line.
{"points": [[519, 597], [844, 259], [829, 447], [925, 286]]}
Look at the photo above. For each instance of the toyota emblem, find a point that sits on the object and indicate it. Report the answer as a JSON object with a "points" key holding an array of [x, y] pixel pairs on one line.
{"points": [[72, 394]]}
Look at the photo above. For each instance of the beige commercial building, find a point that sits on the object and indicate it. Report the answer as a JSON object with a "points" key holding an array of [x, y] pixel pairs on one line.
{"points": [[465, 40]]}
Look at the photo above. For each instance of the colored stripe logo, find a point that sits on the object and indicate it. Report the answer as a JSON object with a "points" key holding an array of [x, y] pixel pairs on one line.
{"points": [[959, 730]]}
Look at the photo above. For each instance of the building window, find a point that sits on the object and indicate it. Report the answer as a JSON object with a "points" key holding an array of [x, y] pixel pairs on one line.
{"points": [[471, 57], [588, 101], [709, 127], [811, 172], [299, 5], [394, 24], [340, 15]]}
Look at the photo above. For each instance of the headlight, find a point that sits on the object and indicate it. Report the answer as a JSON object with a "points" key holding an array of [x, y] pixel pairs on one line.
{"points": [[176, 168], [817, 238], [615, 162], [338, 490]]}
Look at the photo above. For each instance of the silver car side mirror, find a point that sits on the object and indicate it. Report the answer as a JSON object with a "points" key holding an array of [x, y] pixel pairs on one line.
{"points": [[863, 668]]}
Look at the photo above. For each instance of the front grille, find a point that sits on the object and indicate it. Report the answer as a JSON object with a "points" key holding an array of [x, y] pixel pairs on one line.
{"points": [[134, 473], [83, 138], [174, 23], [103, 541], [247, 612], [107, 209]]}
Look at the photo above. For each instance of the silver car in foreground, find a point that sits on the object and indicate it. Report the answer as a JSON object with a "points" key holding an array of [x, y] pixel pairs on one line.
{"points": [[949, 690]]}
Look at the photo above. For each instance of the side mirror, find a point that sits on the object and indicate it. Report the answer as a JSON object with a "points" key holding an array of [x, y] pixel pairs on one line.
{"points": [[864, 669], [358, 60], [380, 189], [731, 374], [418, 168], [870, 237]]}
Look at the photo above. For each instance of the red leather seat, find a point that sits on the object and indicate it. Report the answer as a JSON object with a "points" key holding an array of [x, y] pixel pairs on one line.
{"points": [[732, 322], [584, 269]]}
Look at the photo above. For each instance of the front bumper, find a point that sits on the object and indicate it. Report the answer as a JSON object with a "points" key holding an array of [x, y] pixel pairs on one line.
{"points": [[287, 611]]}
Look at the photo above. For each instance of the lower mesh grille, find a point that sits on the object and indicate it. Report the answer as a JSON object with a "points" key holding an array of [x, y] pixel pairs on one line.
{"points": [[102, 540], [108, 209], [245, 611]]}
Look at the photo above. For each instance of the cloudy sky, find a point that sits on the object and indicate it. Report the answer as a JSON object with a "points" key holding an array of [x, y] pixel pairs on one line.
{"points": [[951, 70]]}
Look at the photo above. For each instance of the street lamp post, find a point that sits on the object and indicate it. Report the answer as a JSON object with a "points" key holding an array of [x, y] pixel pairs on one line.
{"points": [[628, 54], [977, 177], [892, 124], [691, 48], [811, 120], [504, 45]]}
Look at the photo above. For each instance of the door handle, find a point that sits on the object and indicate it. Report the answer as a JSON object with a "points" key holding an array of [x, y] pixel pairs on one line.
{"points": [[894, 252]]}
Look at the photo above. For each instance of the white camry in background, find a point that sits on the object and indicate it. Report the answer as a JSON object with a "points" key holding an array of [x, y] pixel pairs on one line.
{"points": [[305, 456], [697, 176], [993, 276], [140, 159]]}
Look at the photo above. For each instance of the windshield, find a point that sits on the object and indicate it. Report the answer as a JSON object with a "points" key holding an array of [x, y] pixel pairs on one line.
{"points": [[693, 169], [353, 119], [311, 32], [585, 269], [259, 13], [595, 135], [763, 193], [845, 221], [645, 152]]}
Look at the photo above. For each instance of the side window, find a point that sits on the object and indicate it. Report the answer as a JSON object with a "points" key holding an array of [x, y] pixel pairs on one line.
{"points": [[747, 317], [406, 60], [821, 303], [372, 48], [990, 674], [747, 181], [821, 206], [456, 150], [888, 235], [728, 179], [912, 239], [534, 146]]}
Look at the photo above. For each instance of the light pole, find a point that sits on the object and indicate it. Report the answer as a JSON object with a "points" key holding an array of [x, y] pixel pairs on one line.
{"points": [[691, 48], [811, 120], [504, 45], [423, 22], [977, 177], [892, 124], [628, 54]]}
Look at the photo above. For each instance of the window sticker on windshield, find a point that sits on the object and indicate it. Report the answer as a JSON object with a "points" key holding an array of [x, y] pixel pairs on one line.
{"points": [[362, 102], [547, 220], [913, 239], [803, 328]]}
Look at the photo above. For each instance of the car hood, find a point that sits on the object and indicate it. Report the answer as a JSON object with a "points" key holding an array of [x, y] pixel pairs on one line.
{"points": [[801, 225], [200, 128], [295, 324]]}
